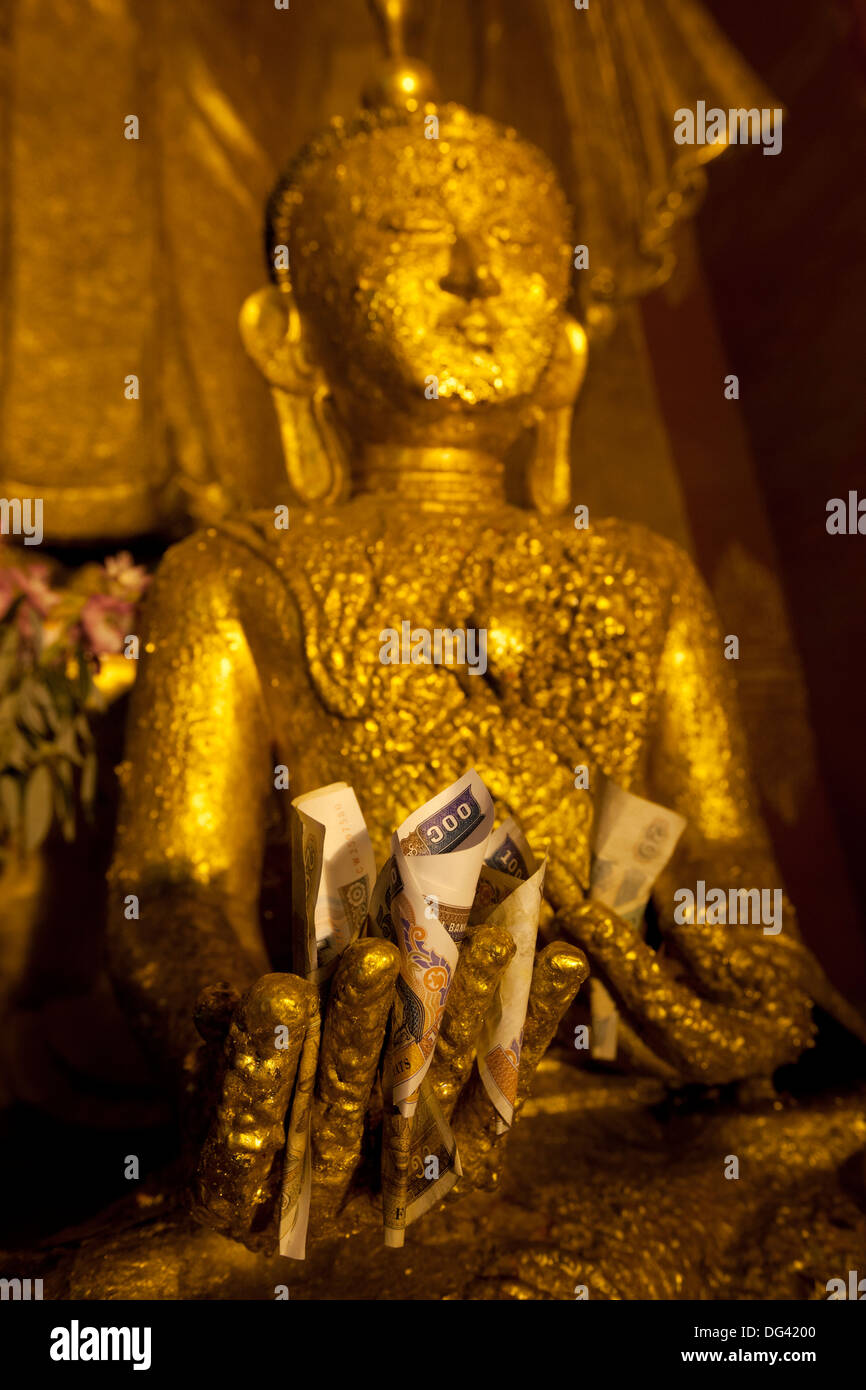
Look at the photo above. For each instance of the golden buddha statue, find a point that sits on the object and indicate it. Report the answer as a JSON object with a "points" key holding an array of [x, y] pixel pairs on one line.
{"points": [[416, 341]]}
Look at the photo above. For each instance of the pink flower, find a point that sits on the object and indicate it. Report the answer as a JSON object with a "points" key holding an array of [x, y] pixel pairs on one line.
{"points": [[33, 583], [105, 621], [123, 573], [9, 590]]}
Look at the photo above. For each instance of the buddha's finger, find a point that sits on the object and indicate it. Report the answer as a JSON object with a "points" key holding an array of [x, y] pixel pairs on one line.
{"points": [[479, 1142], [240, 1166], [704, 1041], [484, 957], [360, 1001], [559, 971]]}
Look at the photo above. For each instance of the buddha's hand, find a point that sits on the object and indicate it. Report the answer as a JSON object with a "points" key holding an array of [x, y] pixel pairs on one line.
{"points": [[723, 1003], [274, 1067], [558, 972], [272, 1041]]}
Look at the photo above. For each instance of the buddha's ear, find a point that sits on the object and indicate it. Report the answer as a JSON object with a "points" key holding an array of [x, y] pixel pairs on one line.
{"points": [[313, 448], [549, 476]]}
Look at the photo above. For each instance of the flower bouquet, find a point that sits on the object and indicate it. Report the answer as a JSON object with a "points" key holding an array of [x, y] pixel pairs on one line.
{"points": [[57, 642]]}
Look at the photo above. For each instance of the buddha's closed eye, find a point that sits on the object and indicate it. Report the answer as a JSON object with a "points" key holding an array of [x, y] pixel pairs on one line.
{"points": [[504, 235], [436, 230], [431, 227]]}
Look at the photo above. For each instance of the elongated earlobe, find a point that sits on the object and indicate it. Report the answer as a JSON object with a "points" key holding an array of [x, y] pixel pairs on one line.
{"points": [[549, 474], [314, 453]]}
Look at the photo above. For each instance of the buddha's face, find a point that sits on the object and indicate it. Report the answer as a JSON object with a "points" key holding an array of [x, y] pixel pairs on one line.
{"points": [[416, 258]]}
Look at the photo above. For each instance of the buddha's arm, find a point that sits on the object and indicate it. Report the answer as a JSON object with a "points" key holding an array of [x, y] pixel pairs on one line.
{"points": [[191, 825], [725, 1001]]}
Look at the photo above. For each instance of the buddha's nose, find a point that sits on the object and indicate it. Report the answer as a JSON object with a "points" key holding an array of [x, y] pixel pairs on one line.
{"points": [[469, 276]]}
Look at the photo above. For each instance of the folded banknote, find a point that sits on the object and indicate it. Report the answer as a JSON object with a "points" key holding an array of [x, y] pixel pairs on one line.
{"points": [[333, 874], [422, 903], [633, 841], [448, 868]]}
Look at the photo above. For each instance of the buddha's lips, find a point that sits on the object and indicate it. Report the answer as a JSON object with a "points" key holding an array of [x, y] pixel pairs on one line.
{"points": [[479, 329]]}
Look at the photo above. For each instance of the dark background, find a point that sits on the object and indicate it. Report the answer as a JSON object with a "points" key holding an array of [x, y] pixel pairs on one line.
{"points": [[781, 240]]}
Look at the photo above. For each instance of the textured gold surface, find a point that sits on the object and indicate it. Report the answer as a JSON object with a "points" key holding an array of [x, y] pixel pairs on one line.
{"points": [[262, 646], [484, 957], [361, 998], [602, 1188], [559, 972], [222, 96], [602, 650], [241, 1160]]}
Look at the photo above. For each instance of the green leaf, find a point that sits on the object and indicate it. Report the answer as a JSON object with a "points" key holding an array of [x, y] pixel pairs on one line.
{"points": [[45, 699], [63, 773], [82, 725], [67, 743], [88, 780], [10, 802], [37, 639], [18, 755], [64, 801], [85, 678], [9, 635], [38, 806], [30, 714], [8, 707], [7, 669]]}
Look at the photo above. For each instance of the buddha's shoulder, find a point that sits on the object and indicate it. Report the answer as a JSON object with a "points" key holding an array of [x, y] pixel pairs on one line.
{"points": [[586, 554], [607, 544], [365, 520], [513, 541]]}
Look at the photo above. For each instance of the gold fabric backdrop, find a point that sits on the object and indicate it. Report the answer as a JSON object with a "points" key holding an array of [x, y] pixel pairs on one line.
{"points": [[133, 256]]}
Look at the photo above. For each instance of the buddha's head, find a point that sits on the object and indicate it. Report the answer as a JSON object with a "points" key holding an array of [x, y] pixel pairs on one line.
{"points": [[422, 259], [415, 257]]}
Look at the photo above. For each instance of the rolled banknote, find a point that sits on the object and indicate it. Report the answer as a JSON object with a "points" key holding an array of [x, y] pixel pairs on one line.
{"points": [[633, 841], [420, 1163], [422, 903], [507, 858], [437, 852], [508, 850], [333, 873], [297, 1185]]}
